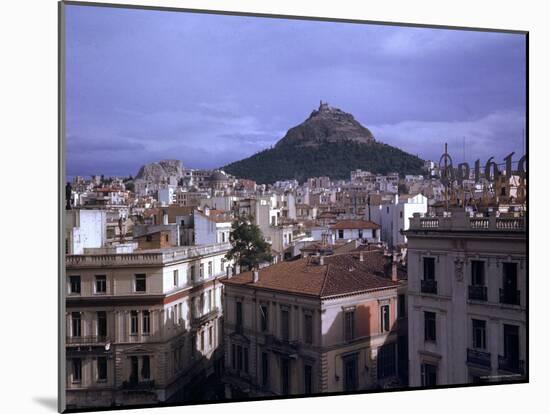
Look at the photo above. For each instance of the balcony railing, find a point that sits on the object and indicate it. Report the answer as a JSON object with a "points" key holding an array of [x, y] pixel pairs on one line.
{"points": [[428, 286], [511, 365], [480, 358], [464, 222], [280, 346], [198, 320], [509, 297], [477, 293], [145, 258], [138, 385], [86, 340]]}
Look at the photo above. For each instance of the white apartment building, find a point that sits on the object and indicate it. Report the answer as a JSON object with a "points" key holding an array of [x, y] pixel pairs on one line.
{"points": [[140, 326], [394, 218], [314, 325], [85, 229], [466, 299], [211, 227]]}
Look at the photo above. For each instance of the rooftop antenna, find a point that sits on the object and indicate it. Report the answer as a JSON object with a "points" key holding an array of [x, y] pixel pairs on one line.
{"points": [[464, 149]]}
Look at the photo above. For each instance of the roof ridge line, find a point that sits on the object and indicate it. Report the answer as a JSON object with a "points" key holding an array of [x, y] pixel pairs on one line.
{"points": [[324, 280]]}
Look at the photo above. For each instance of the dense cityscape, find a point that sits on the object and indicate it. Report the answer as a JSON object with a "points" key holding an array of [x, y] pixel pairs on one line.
{"points": [[189, 285]]}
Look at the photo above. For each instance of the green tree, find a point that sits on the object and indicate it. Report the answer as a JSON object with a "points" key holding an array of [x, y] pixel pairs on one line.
{"points": [[249, 247]]}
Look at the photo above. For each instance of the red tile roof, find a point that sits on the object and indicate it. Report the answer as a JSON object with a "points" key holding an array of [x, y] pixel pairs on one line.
{"points": [[354, 224], [341, 274]]}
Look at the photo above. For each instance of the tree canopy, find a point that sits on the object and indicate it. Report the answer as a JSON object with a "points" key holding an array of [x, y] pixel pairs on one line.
{"points": [[249, 247]]}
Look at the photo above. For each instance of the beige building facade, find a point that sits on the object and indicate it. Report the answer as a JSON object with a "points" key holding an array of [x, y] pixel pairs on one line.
{"points": [[141, 325], [314, 325]]}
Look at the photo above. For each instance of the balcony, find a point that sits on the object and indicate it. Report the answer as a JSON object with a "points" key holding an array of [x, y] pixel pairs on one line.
{"points": [[86, 340], [138, 385], [287, 348], [509, 297], [477, 293], [197, 319], [508, 364], [480, 358], [428, 286]]}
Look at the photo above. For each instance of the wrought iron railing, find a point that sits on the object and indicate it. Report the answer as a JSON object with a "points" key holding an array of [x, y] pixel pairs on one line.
{"points": [[428, 286]]}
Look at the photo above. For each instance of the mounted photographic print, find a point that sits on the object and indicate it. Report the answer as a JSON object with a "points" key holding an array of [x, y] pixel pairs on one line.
{"points": [[261, 207]]}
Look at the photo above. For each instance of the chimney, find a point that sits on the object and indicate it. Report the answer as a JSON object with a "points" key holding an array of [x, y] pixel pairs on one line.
{"points": [[164, 217], [361, 257], [394, 268], [256, 275], [321, 260]]}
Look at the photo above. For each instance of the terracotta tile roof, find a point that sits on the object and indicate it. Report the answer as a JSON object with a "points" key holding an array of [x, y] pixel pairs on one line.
{"points": [[341, 274], [354, 224]]}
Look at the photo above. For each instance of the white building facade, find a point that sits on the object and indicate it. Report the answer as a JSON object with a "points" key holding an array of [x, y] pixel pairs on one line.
{"points": [[466, 299]]}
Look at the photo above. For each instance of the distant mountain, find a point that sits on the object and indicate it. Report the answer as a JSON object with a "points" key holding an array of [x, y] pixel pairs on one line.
{"points": [[157, 172], [329, 143]]}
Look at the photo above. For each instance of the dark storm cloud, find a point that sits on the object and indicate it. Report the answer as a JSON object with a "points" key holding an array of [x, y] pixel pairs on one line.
{"points": [[212, 89]]}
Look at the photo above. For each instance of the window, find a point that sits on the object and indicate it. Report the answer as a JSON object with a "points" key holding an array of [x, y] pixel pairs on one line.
{"points": [[102, 324], [429, 375], [77, 369], [146, 319], [245, 359], [401, 306], [101, 368], [350, 373], [176, 278], [340, 234], [264, 317], [133, 323], [202, 341], [285, 325], [479, 334], [429, 326], [285, 376], [308, 379], [201, 270], [76, 324], [146, 368], [211, 337], [510, 293], [478, 273], [239, 316], [134, 369], [74, 285], [386, 361], [400, 214], [223, 237], [349, 325], [193, 274], [429, 268], [239, 357], [233, 356], [210, 268], [265, 369], [385, 318], [308, 328], [101, 284], [140, 283]]}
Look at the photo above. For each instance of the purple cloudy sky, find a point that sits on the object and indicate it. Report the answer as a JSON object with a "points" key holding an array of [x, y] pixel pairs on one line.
{"points": [[210, 89]]}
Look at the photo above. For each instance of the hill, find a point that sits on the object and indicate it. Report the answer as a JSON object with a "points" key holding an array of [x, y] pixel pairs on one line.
{"points": [[329, 143]]}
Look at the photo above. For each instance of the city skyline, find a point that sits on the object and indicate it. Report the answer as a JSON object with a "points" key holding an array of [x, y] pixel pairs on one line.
{"points": [[149, 85]]}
